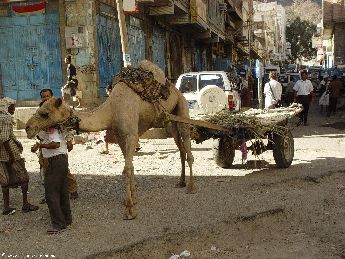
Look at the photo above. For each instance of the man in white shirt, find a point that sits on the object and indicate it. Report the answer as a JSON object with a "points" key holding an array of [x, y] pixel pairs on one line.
{"points": [[272, 91], [54, 148], [303, 95]]}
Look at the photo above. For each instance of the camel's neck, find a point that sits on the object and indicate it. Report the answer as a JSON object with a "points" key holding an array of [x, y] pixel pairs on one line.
{"points": [[97, 120]]}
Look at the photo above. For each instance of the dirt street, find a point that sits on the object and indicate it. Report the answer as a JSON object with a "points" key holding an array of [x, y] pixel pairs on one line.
{"points": [[244, 212]]}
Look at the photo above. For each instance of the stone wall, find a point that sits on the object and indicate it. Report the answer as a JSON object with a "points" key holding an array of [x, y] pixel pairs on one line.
{"points": [[339, 40], [338, 11], [83, 13]]}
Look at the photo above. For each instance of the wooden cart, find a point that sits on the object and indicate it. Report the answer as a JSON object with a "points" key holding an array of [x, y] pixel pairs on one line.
{"points": [[228, 139]]}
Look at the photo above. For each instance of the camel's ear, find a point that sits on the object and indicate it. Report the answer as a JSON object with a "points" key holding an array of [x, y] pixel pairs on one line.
{"points": [[58, 102]]}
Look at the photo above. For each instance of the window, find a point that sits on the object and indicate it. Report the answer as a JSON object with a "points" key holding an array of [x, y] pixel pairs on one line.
{"points": [[188, 84], [206, 79]]}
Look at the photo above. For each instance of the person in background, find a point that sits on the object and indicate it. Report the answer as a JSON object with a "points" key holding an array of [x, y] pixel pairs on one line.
{"points": [[54, 149], [247, 93], [72, 182], [71, 86], [335, 88], [290, 93], [324, 99], [272, 91], [303, 95], [12, 166], [324, 84]]}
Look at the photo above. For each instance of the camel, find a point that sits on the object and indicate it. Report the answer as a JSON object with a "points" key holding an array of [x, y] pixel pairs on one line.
{"points": [[129, 116]]}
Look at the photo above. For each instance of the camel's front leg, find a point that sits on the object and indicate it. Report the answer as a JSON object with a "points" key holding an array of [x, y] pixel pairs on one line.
{"points": [[128, 175]]}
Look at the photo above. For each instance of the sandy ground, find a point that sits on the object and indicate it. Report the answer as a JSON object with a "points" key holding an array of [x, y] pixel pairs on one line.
{"points": [[244, 212]]}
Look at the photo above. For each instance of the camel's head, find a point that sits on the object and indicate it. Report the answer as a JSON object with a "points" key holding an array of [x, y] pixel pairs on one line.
{"points": [[51, 112]]}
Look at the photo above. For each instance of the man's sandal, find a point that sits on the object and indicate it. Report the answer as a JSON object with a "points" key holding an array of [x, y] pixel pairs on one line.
{"points": [[9, 211], [29, 207]]}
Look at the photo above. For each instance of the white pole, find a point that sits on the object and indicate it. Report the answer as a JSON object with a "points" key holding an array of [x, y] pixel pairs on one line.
{"points": [[123, 33], [260, 92]]}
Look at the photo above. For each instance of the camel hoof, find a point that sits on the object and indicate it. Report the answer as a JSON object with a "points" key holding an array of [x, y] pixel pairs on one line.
{"points": [[180, 185], [191, 189], [129, 216]]}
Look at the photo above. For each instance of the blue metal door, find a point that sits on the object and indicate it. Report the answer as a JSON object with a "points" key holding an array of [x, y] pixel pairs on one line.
{"points": [[200, 59], [109, 49], [136, 40], [158, 47], [30, 55]]}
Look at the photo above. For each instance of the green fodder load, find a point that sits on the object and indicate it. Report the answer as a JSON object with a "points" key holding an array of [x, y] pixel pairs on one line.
{"points": [[253, 124]]}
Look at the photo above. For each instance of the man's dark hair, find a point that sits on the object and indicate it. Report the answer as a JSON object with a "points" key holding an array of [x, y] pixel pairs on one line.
{"points": [[109, 87], [334, 77], [304, 72], [69, 58], [46, 90]]}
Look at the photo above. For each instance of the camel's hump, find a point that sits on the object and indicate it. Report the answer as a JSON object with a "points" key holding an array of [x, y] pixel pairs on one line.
{"points": [[158, 73]]}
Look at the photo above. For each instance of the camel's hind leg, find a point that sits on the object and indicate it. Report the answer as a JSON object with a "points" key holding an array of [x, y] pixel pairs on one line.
{"points": [[175, 133], [128, 149], [181, 134], [184, 132]]}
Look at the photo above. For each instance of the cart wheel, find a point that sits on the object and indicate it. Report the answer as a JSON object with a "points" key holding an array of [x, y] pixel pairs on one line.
{"points": [[224, 152], [283, 149]]}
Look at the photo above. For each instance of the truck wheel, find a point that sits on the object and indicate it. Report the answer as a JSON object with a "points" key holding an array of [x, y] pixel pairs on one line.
{"points": [[283, 149], [224, 152]]}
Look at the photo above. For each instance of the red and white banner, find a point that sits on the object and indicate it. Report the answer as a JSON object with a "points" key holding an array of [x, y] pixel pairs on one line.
{"points": [[28, 9], [9, 1]]}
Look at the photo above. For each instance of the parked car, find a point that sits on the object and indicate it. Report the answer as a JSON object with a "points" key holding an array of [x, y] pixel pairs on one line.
{"points": [[210, 91], [314, 72]]}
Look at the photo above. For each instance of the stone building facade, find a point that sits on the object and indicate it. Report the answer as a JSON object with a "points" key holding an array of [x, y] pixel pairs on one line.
{"points": [[270, 19], [177, 35], [333, 17]]}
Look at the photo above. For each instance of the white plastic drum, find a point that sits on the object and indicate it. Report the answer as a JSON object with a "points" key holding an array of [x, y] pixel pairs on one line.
{"points": [[212, 99]]}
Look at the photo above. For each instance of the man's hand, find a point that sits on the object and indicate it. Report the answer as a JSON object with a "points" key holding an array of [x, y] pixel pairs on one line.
{"points": [[35, 147], [69, 146]]}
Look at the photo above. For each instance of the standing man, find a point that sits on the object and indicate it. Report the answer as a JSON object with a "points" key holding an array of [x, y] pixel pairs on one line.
{"points": [[12, 167], [272, 91], [303, 95], [72, 182], [335, 88], [54, 149], [71, 86]]}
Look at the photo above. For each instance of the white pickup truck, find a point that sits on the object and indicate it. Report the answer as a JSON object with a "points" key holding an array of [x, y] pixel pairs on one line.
{"points": [[210, 91]]}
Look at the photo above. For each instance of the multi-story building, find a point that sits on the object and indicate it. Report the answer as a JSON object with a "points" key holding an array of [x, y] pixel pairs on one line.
{"points": [[178, 35], [271, 30], [333, 17]]}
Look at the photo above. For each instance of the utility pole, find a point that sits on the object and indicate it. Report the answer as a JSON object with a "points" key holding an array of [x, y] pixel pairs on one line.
{"points": [[124, 34], [250, 19]]}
